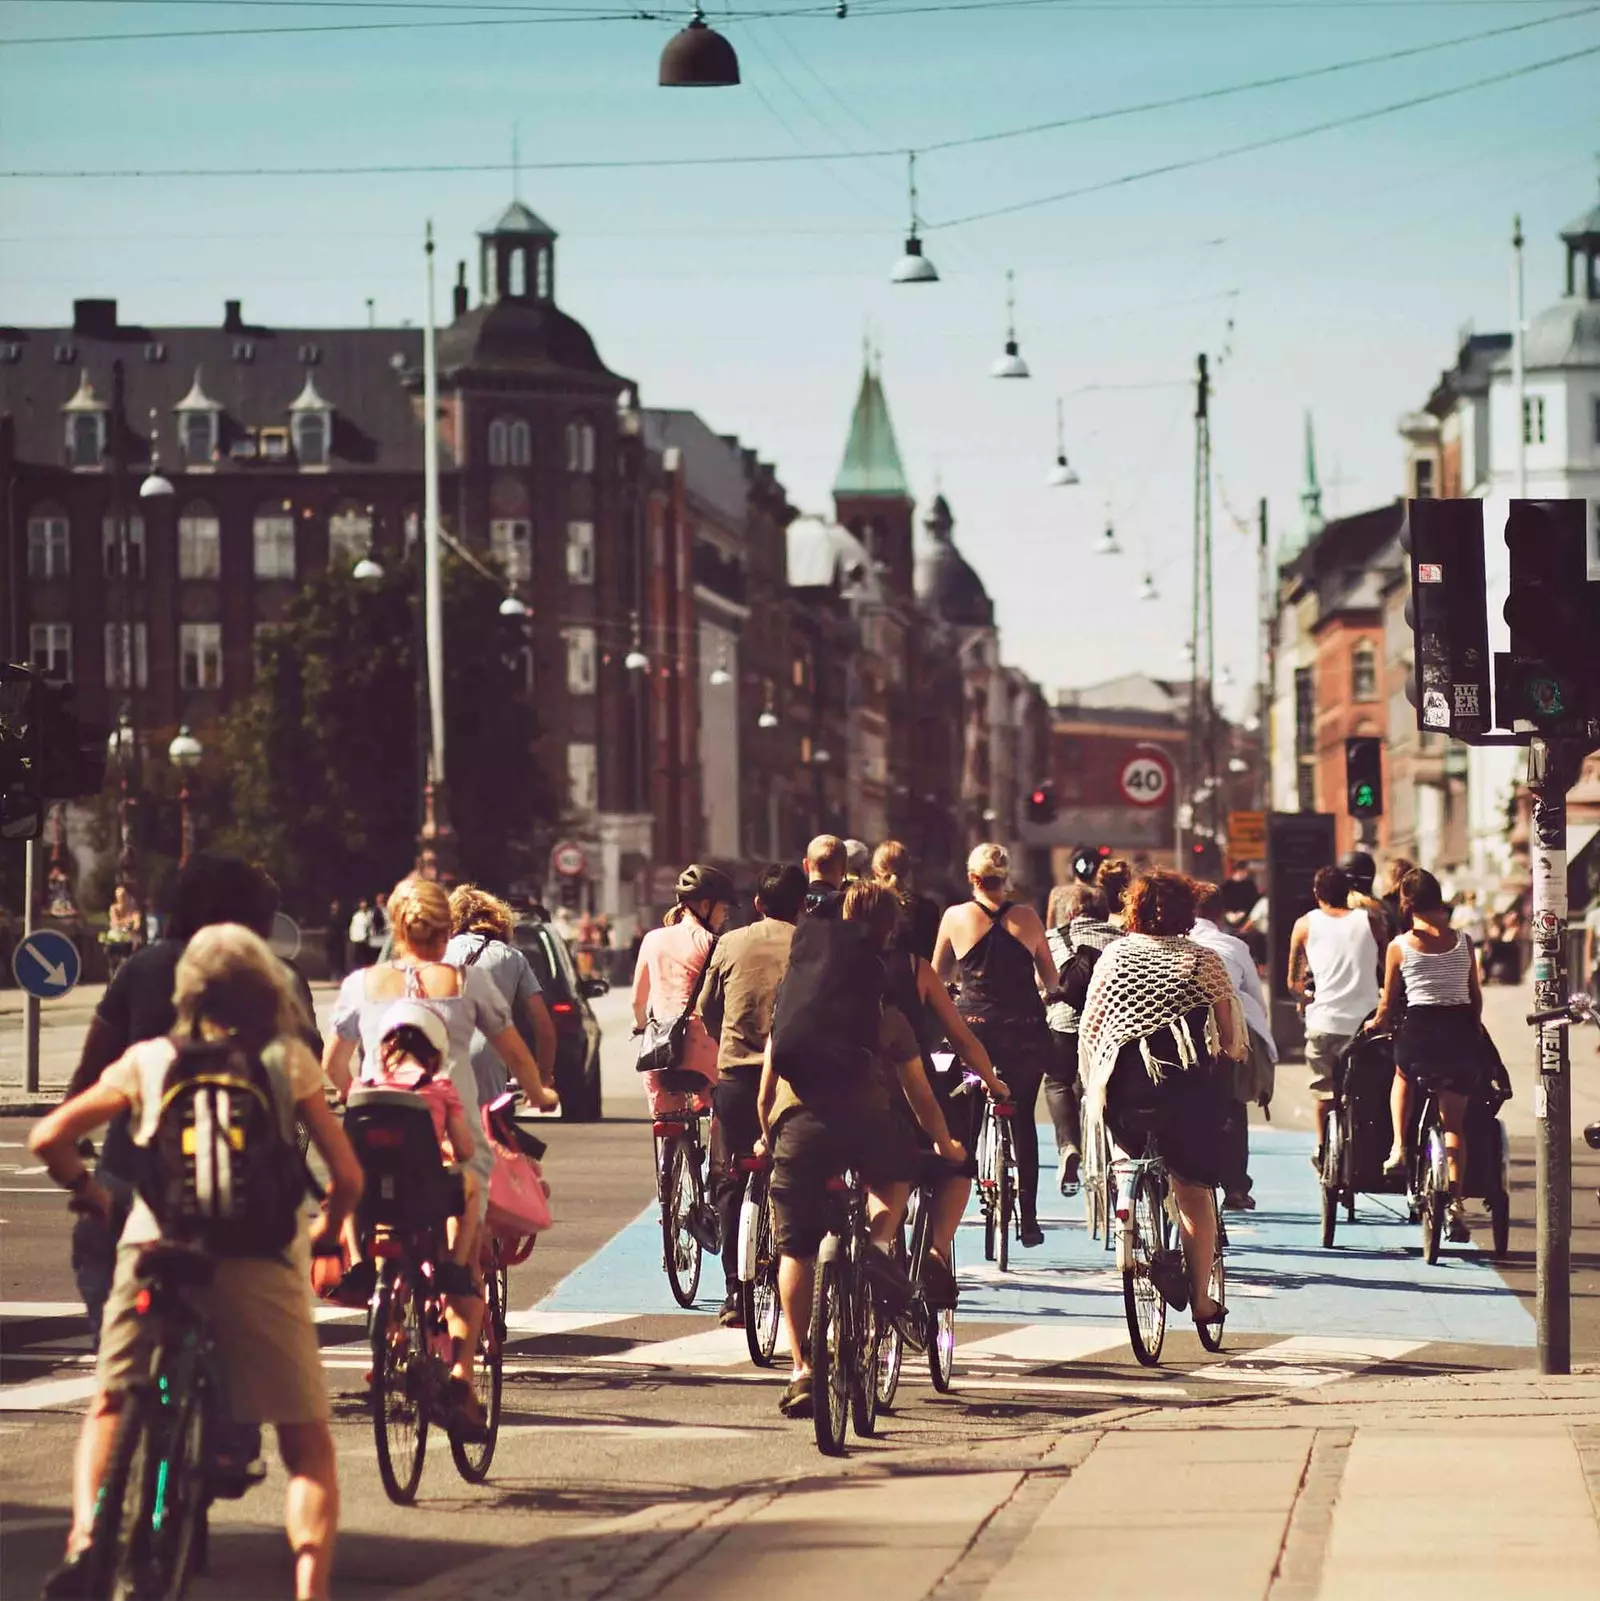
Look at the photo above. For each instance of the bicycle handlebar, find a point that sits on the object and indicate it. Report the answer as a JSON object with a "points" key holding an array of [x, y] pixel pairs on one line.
{"points": [[1579, 1009]]}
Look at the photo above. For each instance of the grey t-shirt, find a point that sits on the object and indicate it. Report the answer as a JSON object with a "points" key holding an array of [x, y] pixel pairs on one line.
{"points": [[513, 976]]}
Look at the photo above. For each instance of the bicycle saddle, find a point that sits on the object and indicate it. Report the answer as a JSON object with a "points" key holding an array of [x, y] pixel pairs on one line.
{"points": [[179, 1264]]}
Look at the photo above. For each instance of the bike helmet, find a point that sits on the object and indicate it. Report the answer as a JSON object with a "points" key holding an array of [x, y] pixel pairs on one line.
{"points": [[1360, 869], [699, 882]]}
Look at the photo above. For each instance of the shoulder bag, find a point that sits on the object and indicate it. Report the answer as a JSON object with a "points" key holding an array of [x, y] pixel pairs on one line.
{"points": [[661, 1045]]}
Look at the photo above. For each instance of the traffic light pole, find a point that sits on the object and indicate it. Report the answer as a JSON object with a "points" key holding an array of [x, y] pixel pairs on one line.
{"points": [[30, 1003], [1552, 768]]}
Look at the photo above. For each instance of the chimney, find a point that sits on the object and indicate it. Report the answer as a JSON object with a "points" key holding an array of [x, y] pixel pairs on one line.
{"points": [[232, 317], [94, 319], [459, 296]]}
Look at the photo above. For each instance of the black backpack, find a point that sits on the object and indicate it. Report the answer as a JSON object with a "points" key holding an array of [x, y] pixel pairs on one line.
{"points": [[222, 1173], [826, 1014], [1076, 974]]}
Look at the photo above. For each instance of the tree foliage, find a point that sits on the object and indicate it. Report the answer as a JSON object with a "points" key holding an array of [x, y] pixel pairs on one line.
{"points": [[324, 754]]}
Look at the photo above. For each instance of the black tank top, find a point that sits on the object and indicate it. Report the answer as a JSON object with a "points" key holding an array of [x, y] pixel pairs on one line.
{"points": [[997, 976]]}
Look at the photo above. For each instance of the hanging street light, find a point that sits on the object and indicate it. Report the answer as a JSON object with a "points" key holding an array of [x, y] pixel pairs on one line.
{"points": [[698, 57], [1062, 475], [512, 606], [914, 267], [367, 571], [1108, 545], [1011, 364], [1148, 590], [156, 484], [768, 719], [720, 677]]}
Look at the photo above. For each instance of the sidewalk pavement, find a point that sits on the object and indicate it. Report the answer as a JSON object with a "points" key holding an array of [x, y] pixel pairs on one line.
{"points": [[1458, 1486]]}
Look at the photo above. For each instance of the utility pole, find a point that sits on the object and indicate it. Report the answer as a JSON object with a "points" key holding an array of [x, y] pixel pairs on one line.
{"points": [[1265, 682], [30, 1002], [1201, 754], [1552, 768], [1519, 383]]}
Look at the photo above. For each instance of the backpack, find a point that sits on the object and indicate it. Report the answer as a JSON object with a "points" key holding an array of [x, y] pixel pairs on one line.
{"points": [[222, 1173], [1075, 976], [826, 1014]]}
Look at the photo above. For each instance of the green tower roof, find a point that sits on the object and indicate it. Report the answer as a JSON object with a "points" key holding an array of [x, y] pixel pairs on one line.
{"points": [[871, 464]]}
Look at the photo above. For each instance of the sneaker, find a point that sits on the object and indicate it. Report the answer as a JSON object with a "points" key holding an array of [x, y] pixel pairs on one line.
{"points": [[1459, 1232], [1067, 1173], [71, 1581], [1030, 1234], [731, 1314], [356, 1287], [703, 1228], [938, 1284], [889, 1278], [232, 1477], [1244, 1201]]}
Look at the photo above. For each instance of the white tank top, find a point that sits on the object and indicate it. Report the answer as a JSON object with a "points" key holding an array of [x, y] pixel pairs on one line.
{"points": [[1342, 954], [1437, 978]]}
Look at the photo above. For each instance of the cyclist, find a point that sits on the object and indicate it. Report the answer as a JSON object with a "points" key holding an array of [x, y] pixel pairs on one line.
{"points": [[919, 915], [1430, 972], [228, 984], [1159, 1011], [736, 1005], [832, 1031], [825, 863], [481, 926], [1114, 878], [999, 954], [671, 959], [1078, 931]]}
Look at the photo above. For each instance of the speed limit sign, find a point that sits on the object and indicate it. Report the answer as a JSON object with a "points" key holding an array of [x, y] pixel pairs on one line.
{"points": [[1146, 778]]}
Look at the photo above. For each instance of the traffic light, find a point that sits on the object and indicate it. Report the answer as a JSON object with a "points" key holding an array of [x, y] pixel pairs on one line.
{"points": [[1363, 776], [1086, 860], [1205, 858], [1551, 677], [21, 797], [1042, 804], [72, 754], [1448, 614]]}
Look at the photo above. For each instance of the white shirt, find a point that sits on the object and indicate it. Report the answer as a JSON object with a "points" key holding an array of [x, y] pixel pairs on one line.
{"points": [[360, 927], [1241, 968], [1342, 954], [1469, 920]]}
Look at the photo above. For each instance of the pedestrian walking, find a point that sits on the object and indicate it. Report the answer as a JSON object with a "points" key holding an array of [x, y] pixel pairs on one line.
{"points": [[359, 934], [333, 940], [378, 928]]}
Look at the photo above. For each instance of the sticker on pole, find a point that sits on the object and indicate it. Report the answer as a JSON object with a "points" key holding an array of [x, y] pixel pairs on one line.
{"points": [[46, 964], [1145, 780], [1435, 709], [1430, 572]]}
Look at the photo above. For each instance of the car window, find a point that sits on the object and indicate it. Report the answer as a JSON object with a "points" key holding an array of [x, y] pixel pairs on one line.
{"points": [[533, 942], [569, 973]]}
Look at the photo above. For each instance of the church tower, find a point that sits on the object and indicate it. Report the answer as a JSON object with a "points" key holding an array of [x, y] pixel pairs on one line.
{"points": [[870, 495]]}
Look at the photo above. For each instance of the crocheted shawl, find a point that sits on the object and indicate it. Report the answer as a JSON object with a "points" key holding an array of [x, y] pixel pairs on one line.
{"points": [[1143, 984]]}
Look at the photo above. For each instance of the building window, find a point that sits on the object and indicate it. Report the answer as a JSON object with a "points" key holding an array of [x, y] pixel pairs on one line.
{"points": [[542, 275], [523, 663], [518, 286], [1305, 712], [580, 447], [200, 655], [510, 442], [521, 444], [198, 435], [1306, 787], [50, 649], [272, 534], [112, 545], [311, 438], [199, 545], [86, 439], [1364, 672], [1533, 420], [49, 547], [581, 675], [127, 656], [1597, 419], [583, 777], [511, 544], [1424, 478], [349, 537], [274, 443], [580, 553], [499, 443]]}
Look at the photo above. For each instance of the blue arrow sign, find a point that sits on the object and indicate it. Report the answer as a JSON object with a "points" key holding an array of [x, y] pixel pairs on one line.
{"points": [[46, 964]]}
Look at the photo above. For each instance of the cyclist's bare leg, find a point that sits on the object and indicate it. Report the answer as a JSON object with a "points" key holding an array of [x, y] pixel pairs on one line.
{"points": [[1197, 1216], [797, 1283], [464, 1314], [1400, 1111], [949, 1204], [95, 1442], [311, 1508], [886, 1206], [1453, 1114]]}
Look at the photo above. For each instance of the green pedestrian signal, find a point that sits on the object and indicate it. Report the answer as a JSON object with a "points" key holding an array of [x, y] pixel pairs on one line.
{"points": [[1363, 797], [1363, 776]]}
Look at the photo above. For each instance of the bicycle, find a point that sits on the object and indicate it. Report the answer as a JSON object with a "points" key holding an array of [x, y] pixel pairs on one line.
{"points": [[845, 1323], [997, 1176], [758, 1263], [925, 1329], [689, 1226], [1151, 1258], [409, 1195], [1098, 1196]]}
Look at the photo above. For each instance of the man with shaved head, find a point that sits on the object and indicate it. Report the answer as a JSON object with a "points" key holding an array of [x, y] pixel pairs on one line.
{"points": [[825, 869]]}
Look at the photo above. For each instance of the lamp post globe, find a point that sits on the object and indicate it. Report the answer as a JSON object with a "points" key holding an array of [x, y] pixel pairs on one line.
{"points": [[185, 750], [698, 57]]}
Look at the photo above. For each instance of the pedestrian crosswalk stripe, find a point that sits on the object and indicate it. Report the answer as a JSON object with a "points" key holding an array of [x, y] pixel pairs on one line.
{"points": [[41, 1394], [716, 1348], [536, 1321], [31, 1309], [1306, 1361], [1045, 1342]]}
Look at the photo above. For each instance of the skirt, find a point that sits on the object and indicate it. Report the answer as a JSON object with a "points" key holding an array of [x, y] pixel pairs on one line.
{"points": [[1184, 1115], [1441, 1048]]}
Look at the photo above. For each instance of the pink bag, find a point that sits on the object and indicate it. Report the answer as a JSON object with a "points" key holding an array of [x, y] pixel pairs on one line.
{"points": [[519, 1204]]}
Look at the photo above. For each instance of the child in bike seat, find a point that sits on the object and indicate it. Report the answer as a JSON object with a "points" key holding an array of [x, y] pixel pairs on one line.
{"points": [[412, 1046]]}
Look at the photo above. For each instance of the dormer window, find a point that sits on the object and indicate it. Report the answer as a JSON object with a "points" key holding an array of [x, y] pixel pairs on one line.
{"points": [[311, 423], [85, 416], [199, 417]]}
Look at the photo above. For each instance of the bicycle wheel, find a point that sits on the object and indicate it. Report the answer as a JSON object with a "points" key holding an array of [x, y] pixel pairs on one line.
{"points": [[399, 1387], [680, 1205], [1500, 1222], [1141, 1300], [1330, 1188], [759, 1293], [116, 1542], [864, 1329], [830, 1356], [1432, 1220], [472, 1458], [175, 1508], [1006, 1195], [1211, 1333]]}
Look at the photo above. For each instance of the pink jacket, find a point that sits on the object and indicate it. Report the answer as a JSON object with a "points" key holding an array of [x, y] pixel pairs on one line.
{"points": [[670, 960]]}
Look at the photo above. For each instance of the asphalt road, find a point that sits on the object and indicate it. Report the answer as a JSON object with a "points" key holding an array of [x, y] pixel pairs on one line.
{"points": [[616, 1401]]}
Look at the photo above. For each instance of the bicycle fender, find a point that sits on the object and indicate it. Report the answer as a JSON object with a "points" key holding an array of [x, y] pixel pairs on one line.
{"points": [[749, 1222], [830, 1249]]}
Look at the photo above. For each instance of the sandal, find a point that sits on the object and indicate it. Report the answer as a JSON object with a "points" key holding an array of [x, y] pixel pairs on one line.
{"points": [[1170, 1275], [795, 1401]]}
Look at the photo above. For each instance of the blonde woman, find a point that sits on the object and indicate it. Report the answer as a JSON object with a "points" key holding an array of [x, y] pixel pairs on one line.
{"points": [[228, 984], [467, 1000], [481, 929], [999, 955]]}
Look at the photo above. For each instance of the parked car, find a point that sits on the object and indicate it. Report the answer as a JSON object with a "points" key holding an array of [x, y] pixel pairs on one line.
{"points": [[577, 1031]]}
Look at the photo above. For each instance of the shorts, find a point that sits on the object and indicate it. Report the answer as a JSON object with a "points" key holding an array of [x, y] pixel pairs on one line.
{"points": [[260, 1314], [1322, 1056], [809, 1148], [1441, 1048]]}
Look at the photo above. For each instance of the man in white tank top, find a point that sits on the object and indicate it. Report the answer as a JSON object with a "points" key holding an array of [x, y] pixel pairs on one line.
{"points": [[1343, 951]]}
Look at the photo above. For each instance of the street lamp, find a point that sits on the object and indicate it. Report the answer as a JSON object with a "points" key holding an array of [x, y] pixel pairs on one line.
{"points": [[512, 606], [1148, 590], [1061, 475], [1108, 545], [1011, 364], [184, 753], [914, 267], [367, 571], [698, 57], [121, 751], [768, 719], [156, 485]]}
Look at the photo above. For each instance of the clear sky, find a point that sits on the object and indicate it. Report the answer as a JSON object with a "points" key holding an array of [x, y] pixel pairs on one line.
{"points": [[1347, 261]]}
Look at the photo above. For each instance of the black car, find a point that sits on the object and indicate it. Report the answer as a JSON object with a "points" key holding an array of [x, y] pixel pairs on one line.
{"points": [[577, 1033]]}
